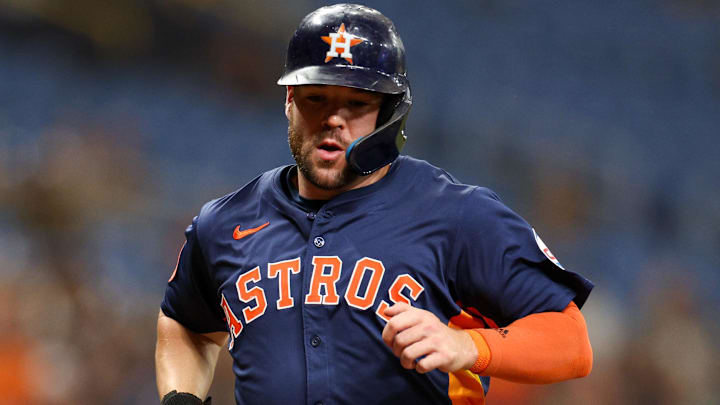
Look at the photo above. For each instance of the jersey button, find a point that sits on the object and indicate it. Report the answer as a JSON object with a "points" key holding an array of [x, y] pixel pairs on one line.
{"points": [[311, 215], [315, 341], [319, 241]]}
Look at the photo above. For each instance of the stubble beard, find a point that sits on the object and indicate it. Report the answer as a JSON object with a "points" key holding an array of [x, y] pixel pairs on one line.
{"points": [[310, 169]]}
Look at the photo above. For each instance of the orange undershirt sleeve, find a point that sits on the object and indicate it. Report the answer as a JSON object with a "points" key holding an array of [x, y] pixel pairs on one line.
{"points": [[540, 348]]}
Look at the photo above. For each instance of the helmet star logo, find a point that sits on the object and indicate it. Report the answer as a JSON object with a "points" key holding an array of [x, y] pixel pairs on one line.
{"points": [[340, 43]]}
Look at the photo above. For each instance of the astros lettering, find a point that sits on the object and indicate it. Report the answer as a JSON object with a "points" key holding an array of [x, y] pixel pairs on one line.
{"points": [[325, 274]]}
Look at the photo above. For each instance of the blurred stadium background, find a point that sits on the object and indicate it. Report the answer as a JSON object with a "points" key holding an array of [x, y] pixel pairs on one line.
{"points": [[598, 121]]}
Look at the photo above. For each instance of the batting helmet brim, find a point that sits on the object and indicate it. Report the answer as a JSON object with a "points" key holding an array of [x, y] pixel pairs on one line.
{"points": [[348, 76]]}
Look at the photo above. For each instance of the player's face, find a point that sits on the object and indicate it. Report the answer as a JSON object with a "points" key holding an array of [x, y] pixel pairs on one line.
{"points": [[323, 122]]}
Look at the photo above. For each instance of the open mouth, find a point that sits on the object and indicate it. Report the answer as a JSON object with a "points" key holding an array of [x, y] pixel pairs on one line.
{"points": [[329, 150], [329, 147]]}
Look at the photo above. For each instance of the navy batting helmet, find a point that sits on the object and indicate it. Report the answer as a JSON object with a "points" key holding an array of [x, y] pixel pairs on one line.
{"points": [[355, 46]]}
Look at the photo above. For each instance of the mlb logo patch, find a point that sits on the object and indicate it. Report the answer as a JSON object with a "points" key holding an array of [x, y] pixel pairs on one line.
{"points": [[546, 251]]}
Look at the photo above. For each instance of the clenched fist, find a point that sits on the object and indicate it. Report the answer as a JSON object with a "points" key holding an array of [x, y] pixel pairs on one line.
{"points": [[424, 343]]}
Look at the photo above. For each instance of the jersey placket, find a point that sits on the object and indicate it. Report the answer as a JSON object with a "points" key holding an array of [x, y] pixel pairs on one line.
{"points": [[315, 315]]}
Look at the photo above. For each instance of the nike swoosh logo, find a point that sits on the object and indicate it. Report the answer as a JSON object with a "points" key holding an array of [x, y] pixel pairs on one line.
{"points": [[238, 234]]}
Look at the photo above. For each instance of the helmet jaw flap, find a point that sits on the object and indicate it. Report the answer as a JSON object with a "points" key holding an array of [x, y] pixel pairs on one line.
{"points": [[381, 147]]}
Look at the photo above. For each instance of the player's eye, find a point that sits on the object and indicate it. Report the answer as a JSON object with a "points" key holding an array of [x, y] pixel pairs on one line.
{"points": [[357, 103], [313, 98]]}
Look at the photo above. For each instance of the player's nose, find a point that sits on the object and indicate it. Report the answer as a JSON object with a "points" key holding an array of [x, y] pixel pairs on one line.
{"points": [[335, 116], [335, 120]]}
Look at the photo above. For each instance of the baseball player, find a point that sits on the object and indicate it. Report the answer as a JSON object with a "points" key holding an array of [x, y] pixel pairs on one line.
{"points": [[357, 275]]}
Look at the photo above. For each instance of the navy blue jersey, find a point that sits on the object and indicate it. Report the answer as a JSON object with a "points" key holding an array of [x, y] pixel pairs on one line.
{"points": [[302, 292]]}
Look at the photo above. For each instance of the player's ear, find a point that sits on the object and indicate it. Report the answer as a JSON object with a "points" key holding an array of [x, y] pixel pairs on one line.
{"points": [[288, 100]]}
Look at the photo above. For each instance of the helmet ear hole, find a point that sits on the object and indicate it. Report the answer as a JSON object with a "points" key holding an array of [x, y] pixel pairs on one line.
{"points": [[389, 104]]}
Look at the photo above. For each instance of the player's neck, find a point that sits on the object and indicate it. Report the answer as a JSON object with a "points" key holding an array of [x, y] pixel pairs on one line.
{"points": [[310, 191]]}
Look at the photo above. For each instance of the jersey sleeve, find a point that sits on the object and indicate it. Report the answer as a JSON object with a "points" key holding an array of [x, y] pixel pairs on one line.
{"points": [[190, 297], [502, 272]]}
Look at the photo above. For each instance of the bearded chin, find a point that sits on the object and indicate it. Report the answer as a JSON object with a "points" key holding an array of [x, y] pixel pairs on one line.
{"points": [[309, 169]]}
